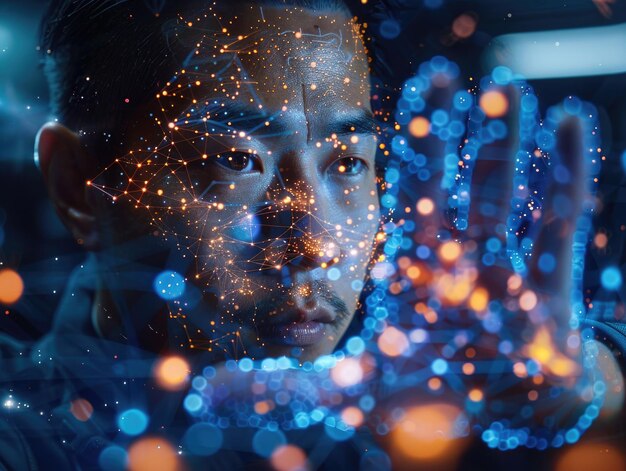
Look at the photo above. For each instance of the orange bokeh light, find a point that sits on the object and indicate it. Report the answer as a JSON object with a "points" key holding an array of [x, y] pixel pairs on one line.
{"points": [[393, 342], [494, 103], [426, 432], [449, 251], [353, 416], [586, 456], [464, 26], [81, 409], [171, 373], [347, 372], [149, 454], [11, 286], [289, 458], [419, 127], [425, 206]]}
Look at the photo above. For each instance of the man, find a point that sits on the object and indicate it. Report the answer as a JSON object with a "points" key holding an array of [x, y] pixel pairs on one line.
{"points": [[226, 190]]}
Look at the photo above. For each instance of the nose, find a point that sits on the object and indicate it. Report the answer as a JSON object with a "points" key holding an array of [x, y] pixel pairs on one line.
{"points": [[299, 238]]}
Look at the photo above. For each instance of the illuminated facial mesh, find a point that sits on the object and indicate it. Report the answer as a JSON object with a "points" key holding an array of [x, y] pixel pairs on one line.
{"points": [[230, 169]]}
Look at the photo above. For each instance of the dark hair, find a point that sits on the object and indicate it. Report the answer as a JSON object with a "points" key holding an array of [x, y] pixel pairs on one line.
{"points": [[104, 58]]}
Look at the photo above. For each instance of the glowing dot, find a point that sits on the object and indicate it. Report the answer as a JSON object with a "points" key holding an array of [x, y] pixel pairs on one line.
{"points": [[113, 458], [160, 192], [439, 366], [449, 251], [149, 454], [203, 439], [192, 403], [413, 272], [464, 26], [289, 458], [393, 342], [313, 86], [611, 278], [354, 139], [479, 299], [468, 368], [475, 395], [419, 127], [425, 206], [169, 285], [528, 300], [132, 422], [426, 432], [353, 416], [347, 372], [171, 125], [81, 409], [434, 384], [600, 240], [11, 286], [265, 442], [494, 103], [171, 373]]}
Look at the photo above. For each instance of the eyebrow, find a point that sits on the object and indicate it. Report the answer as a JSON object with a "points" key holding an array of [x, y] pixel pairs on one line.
{"points": [[246, 117], [361, 121]]}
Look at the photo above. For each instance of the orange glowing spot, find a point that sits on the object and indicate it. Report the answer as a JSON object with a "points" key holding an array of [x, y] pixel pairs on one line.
{"points": [[434, 384], [413, 272], [543, 351], [393, 342], [425, 206], [514, 283], [426, 432], [347, 372], [464, 26], [494, 103], [81, 409], [586, 456], [600, 240], [171, 373], [419, 127], [263, 407], [475, 395], [11, 286], [468, 368], [289, 458], [519, 370], [479, 299], [449, 251], [352, 416], [528, 300], [160, 192], [148, 454]]}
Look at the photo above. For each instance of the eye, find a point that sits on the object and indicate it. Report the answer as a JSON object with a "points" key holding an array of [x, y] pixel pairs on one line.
{"points": [[349, 166], [242, 162]]}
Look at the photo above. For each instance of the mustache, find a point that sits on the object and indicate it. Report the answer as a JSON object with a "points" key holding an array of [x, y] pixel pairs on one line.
{"points": [[319, 289]]}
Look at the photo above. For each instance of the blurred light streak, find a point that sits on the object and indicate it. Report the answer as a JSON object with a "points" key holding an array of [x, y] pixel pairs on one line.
{"points": [[579, 52]]}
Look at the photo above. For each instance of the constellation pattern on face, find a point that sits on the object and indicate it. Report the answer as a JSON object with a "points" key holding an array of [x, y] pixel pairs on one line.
{"points": [[212, 131]]}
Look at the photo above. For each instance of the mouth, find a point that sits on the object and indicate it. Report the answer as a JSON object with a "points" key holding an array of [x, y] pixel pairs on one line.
{"points": [[299, 329]]}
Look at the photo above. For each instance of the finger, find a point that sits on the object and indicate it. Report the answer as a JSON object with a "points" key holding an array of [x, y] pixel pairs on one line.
{"points": [[550, 268]]}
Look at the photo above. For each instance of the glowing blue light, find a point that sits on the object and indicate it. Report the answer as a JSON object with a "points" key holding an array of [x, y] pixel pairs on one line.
{"points": [[265, 442], [439, 366], [463, 100], [439, 117], [494, 244], [169, 285], [547, 262], [392, 175], [355, 345], [132, 422], [113, 458], [337, 429], [432, 4], [192, 403], [333, 274], [624, 161], [502, 75], [389, 29], [611, 278], [246, 364], [203, 439]]}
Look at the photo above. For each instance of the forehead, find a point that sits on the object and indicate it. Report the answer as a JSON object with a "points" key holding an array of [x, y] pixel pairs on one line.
{"points": [[272, 56]]}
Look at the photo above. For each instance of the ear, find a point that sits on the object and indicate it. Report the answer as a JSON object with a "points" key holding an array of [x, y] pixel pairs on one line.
{"points": [[63, 163]]}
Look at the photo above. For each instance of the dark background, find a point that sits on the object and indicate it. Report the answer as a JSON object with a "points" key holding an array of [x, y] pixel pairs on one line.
{"points": [[34, 243]]}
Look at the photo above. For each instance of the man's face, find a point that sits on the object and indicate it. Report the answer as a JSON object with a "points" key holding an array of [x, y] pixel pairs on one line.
{"points": [[261, 172]]}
